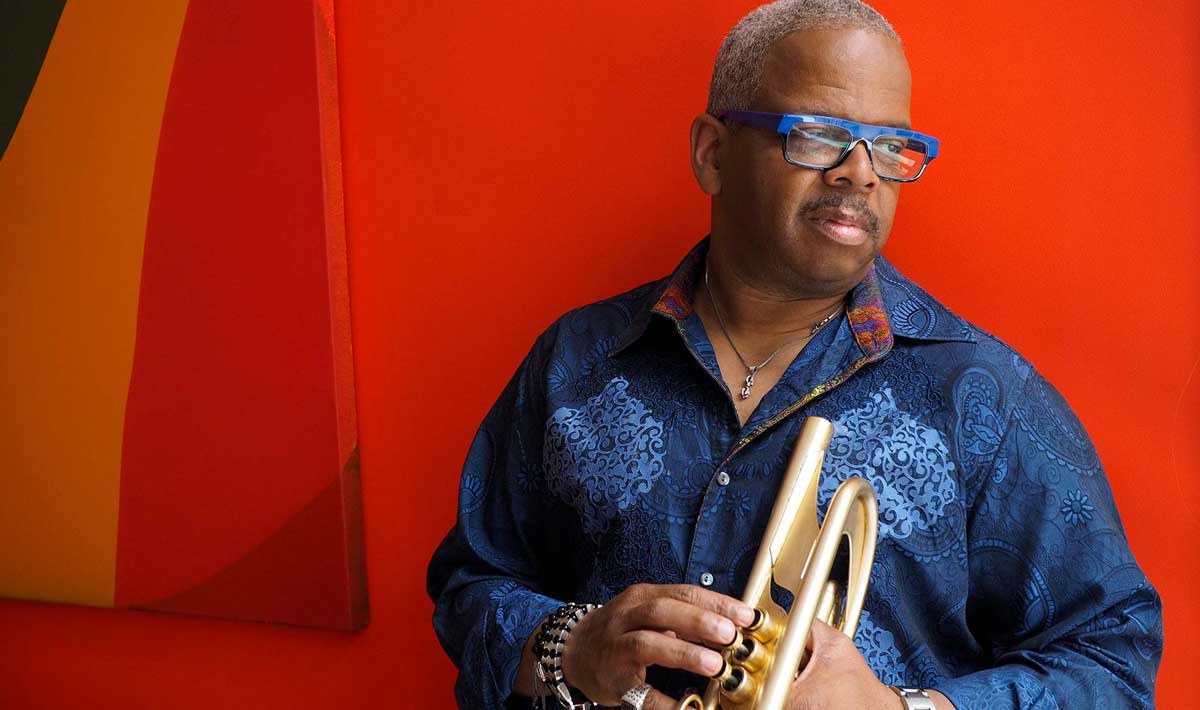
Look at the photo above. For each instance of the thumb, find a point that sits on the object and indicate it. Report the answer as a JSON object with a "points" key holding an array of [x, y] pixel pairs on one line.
{"points": [[822, 633], [819, 635], [825, 640], [822, 642]]}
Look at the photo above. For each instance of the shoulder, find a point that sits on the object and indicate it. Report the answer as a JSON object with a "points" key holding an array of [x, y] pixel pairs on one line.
{"points": [[595, 329], [992, 391], [965, 353]]}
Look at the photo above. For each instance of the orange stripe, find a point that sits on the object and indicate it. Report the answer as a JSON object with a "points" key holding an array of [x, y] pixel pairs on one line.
{"points": [[75, 189]]}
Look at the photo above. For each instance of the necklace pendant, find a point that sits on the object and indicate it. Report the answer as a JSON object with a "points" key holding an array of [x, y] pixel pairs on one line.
{"points": [[748, 385]]}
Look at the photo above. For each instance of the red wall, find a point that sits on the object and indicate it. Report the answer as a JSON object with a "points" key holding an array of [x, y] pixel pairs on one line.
{"points": [[506, 161]]}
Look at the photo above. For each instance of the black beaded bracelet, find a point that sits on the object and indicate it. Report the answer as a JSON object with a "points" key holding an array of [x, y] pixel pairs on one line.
{"points": [[548, 647]]}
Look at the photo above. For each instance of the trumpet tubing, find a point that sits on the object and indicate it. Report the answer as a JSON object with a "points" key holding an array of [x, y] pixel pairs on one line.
{"points": [[798, 555]]}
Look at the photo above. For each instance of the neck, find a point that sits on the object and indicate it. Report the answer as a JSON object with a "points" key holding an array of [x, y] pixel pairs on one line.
{"points": [[760, 318]]}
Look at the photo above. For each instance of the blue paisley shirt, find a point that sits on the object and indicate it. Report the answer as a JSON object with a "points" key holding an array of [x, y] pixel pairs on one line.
{"points": [[1002, 578]]}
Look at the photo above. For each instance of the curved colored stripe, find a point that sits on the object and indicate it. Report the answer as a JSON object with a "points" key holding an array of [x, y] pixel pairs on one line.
{"points": [[25, 33], [232, 426], [74, 192], [287, 577]]}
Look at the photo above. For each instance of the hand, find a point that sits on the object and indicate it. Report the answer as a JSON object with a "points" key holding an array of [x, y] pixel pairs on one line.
{"points": [[650, 625], [837, 676]]}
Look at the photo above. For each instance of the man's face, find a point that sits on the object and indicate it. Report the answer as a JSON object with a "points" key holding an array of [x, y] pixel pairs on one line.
{"points": [[811, 232]]}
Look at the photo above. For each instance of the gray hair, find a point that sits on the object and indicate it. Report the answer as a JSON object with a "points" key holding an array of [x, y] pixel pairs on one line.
{"points": [[737, 74]]}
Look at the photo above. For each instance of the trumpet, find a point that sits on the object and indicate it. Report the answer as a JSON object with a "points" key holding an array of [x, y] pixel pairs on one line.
{"points": [[798, 555]]}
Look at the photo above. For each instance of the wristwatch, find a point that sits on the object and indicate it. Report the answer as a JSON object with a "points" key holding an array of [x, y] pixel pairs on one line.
{"points": [[914, 698]]}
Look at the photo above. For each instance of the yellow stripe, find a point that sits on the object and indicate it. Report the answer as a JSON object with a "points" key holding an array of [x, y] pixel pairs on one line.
{"points": [[74, 193]]}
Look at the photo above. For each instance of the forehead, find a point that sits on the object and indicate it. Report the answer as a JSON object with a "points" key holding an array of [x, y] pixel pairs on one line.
{"points": [[849, 73]]}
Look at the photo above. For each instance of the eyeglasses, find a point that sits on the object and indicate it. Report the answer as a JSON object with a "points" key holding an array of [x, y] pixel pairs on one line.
{"points": [[821, 142]]}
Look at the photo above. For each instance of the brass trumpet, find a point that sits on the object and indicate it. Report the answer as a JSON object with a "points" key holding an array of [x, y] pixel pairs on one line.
{"points": [[765, 657]]}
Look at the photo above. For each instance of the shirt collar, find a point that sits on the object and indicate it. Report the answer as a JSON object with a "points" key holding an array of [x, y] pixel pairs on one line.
{"points": [[883, 306]]}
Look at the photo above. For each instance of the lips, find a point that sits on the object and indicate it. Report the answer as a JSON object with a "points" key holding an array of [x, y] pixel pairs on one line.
{"points": [[841, 225]]}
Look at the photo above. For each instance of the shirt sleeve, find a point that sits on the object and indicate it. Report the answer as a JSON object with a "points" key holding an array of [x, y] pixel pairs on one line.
{"points": [[1057, 602], [484, 576]]}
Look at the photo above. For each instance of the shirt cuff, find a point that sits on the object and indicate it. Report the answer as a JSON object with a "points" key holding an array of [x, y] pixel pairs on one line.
{"points": [[518, 615]]}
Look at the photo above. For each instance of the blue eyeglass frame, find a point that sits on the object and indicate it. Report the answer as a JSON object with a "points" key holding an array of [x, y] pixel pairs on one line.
{"points": [[863, 133]]}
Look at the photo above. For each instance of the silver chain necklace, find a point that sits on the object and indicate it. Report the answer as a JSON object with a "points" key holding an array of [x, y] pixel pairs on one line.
{"points": [[755, 368]]}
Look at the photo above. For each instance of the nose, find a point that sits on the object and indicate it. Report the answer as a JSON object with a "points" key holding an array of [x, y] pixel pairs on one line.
{"points": [[855, 170]]}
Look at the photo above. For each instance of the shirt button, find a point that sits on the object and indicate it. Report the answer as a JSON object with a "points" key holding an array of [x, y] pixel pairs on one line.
{"points": [[706, 579], [723, 478]]}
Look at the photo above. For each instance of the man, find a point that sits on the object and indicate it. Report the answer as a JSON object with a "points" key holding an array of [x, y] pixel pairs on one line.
{"points": [[633, 460]]}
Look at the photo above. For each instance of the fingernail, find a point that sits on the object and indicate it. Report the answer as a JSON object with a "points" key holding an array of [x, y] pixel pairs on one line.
{"points": [[725, 630], [745, 615], [712, 662]]}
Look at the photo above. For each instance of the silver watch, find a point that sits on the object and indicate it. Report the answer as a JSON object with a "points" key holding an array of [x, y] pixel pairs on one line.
{"points": [[914, 698]]}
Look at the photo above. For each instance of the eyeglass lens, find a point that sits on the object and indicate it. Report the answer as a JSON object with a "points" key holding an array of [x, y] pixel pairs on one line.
{"points": [[821, 146]]}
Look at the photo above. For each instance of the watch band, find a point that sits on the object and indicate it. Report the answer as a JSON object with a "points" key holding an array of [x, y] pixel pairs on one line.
{"points": [[914, 698]]}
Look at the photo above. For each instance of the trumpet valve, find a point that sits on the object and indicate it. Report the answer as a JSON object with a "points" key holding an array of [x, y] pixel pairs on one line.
{"points": [[751, 655], [737, 684], [737, 641], [763, 629]]}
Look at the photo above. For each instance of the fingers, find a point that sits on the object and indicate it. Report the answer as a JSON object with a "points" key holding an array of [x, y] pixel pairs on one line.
{"points": [[686, 621], [656, 625], [732, 609], [651, 648]]}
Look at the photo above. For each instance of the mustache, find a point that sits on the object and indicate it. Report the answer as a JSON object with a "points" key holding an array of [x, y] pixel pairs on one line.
{"points": [[856, 204]]}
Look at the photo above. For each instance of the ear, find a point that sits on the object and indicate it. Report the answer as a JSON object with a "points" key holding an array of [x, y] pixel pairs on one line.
{"points": [[708, 136]]}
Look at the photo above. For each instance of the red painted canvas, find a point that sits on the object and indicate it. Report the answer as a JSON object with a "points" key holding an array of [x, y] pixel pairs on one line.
{"points": [[179, 420]]}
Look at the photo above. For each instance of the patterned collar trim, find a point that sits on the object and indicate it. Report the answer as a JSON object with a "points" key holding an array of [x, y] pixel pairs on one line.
{"points": [[675, 300], [869, 319], [884, 305]]}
